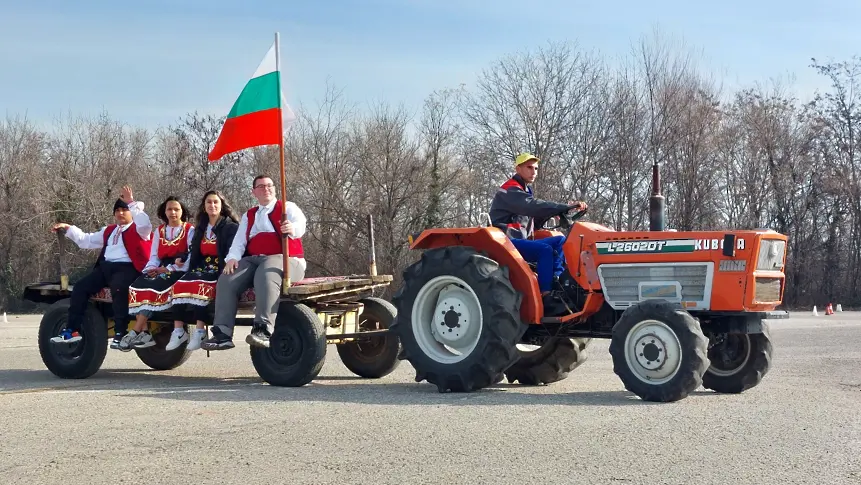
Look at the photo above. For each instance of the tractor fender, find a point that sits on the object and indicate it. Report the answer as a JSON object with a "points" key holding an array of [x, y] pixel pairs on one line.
{"points": [[494, 244]]}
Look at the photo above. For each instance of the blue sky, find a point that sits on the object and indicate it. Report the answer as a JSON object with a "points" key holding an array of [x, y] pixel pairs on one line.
{"points": [[150, 62]]}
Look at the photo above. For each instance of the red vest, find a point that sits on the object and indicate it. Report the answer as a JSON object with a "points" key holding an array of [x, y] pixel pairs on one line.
{"points": [[172, 248], [269, 243], [137, 248], [209, 247]]}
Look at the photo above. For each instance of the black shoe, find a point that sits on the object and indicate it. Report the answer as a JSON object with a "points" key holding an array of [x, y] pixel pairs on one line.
{"points": [[115, 343], [218, 341], [259, 336]]}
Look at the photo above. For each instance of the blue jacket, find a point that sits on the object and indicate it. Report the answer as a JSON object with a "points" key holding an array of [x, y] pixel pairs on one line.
{"points": [[514, 209]]}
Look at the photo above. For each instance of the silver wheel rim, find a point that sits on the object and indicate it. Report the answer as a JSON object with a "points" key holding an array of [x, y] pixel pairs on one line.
{"points": [[653, 352], [729, 372], [447, 319]]}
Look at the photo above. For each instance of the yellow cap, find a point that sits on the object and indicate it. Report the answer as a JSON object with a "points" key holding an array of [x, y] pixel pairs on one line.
{"points": [[523, 158]]}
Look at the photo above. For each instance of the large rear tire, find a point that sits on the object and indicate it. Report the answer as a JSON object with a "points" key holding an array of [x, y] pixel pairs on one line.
{"points": [[77, 360], [157, 358], [551, 362], [373, 357], [659, 352], [738, 361], [458, 319], [297, 347]]}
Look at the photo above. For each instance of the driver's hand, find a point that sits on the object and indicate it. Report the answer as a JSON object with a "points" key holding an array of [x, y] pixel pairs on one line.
{"points": [[577, 205]]}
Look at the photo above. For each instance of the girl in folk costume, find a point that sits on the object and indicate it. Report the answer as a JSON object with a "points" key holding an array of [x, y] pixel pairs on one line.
{"points": [[194, 293], [151, 291]]}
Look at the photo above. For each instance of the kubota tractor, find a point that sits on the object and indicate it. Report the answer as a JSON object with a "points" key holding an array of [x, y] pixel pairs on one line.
{"points": [[681, 309]]}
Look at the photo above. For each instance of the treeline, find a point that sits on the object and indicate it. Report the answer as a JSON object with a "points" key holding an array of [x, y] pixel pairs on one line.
{"points": [[748, 159]]}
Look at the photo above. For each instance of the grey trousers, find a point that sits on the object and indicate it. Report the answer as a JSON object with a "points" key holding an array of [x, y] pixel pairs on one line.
{"points": [[266, 274]]}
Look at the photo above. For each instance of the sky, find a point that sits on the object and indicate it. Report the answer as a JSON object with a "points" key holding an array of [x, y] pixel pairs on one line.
{"points": [[148, 63]]}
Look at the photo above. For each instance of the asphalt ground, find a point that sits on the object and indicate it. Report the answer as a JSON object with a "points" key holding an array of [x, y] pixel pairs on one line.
{"points": [[213, 420]]}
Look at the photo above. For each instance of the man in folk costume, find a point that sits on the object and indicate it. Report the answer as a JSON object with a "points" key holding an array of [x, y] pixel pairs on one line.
{"points": [[255, 258], [125, 251]]}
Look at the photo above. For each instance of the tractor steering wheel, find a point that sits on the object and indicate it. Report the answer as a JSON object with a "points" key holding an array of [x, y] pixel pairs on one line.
{"points": [[567, 218]]}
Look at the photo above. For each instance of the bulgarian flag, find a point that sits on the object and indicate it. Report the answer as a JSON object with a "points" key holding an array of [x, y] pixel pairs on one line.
{"points": [[260, 114]]}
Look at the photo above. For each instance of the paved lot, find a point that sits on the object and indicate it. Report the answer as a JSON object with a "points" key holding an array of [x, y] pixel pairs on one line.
{"points": [[213, 421]]}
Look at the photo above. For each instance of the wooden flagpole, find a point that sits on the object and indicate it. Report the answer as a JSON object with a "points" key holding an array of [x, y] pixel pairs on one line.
{"points": [[285, 250]]}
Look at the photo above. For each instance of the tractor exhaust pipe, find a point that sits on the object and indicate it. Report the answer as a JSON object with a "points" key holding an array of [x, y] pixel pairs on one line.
{"points": [[657, 205]]}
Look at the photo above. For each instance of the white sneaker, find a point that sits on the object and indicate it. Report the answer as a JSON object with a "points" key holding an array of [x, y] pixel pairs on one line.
{"points": [[176, 339], [142, 341], [125, 344], [197, 337]]}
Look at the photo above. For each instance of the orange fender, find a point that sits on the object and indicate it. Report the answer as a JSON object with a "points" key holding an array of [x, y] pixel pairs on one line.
{"points": [[497, 246]]}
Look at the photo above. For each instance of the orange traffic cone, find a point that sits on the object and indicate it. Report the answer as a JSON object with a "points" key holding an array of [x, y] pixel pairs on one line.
{"points": [[829, 310]]}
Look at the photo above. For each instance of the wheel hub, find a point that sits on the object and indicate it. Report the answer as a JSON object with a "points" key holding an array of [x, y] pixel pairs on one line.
{"points": [[729, 354], [453, 318], [653, 351], [447, 319]]}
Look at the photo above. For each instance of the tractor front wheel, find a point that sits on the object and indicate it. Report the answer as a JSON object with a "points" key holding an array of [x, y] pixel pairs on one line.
{"points": [[738, 361], [659, 352], [458, 319]]}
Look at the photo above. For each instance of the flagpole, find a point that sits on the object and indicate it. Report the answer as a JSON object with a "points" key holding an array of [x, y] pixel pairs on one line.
{"points": [[285, 250]]}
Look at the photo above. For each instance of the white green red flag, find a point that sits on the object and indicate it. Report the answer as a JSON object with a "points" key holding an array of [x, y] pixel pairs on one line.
{"points": [[260, 114]]}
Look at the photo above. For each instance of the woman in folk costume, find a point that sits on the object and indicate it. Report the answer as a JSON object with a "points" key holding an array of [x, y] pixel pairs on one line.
{"points": [[151, 291], [194, 293]]}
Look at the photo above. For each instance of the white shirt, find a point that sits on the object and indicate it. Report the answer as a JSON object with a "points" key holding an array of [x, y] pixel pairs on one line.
{"points": [[116, 251], [263, 224], [170, 233]]}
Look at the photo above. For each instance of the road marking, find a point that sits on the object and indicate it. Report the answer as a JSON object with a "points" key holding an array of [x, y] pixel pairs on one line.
{"points": [[170, 390]]}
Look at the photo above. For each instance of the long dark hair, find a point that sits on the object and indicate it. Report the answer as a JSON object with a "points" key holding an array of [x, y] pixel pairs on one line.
{"points": [[163, 207], [226, 210]]}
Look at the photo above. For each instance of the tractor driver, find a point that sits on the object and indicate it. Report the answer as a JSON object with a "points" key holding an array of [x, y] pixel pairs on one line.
{"points": [[514, 209]]}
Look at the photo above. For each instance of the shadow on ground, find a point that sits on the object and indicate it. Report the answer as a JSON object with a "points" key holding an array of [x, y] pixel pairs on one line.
{"points": [[140, 384]]}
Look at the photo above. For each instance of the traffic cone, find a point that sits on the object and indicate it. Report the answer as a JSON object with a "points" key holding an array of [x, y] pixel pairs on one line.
{"points": [[839, 307], [815, 313], [829, 310]]}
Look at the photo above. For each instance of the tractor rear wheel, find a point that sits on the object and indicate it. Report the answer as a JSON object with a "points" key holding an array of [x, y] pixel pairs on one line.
{"points": [[77, 360], [551, 362], [659, 352], [458, 319], [738, 361]]}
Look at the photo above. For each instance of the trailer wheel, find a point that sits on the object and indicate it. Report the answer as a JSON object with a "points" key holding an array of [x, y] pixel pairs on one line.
{"points": [[297, 347], [77, 360], [157, 358], [373, 357]]}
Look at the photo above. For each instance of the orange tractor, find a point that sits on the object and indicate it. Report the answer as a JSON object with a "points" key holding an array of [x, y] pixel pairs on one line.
{"points": [[681, 309]]}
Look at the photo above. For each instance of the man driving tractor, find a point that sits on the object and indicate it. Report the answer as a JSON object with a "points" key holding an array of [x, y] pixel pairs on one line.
{"points": [[514, 210]]}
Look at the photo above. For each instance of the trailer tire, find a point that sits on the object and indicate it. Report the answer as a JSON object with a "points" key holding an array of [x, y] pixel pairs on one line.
{"points": [[77, 360]]}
